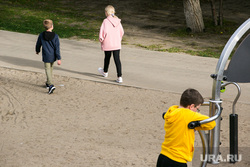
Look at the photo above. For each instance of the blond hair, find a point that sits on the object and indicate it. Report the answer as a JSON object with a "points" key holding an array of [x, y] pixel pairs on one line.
{"points": [[47, 24], [110, 10]]}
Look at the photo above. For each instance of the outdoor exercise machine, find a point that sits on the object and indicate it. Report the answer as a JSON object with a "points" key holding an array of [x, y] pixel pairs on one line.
{"points": [[237, 72]]}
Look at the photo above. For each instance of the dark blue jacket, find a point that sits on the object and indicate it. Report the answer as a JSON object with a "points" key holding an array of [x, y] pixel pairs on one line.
{"points": [[50, 46]]}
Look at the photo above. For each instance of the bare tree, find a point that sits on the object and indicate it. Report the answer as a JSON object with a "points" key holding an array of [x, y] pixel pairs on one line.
{"points": [[221, 12], [214, 14], [193, 15], [217, 19]]}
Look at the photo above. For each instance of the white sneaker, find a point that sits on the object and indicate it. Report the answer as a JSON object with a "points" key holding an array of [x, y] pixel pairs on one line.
{"points": [[104, 74], [119, 80]]}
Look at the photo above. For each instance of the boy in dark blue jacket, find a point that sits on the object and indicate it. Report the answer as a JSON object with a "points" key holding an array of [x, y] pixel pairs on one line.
{"points": [[50, 51]]}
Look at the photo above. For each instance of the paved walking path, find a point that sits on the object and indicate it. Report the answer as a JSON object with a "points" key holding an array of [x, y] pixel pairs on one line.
{"points": [[172, 72]]}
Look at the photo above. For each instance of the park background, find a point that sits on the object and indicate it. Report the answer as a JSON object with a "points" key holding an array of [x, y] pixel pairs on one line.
{"points": [[87, 123]]}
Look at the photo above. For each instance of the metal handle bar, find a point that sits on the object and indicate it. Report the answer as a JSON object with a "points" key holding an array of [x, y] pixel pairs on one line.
{"points": [[195, 124], [238, 95]]}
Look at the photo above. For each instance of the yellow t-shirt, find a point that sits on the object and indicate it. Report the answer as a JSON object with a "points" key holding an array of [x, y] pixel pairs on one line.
{"points": [[179, 139]]}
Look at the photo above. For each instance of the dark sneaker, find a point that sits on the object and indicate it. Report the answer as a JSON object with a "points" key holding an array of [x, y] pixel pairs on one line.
{"points": [[47, 85], [51, 89]]}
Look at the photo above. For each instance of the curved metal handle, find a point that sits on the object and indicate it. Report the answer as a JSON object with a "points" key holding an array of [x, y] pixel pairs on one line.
{"points": [[218, 113], [195, 124], [238, 95], [204, 141]]}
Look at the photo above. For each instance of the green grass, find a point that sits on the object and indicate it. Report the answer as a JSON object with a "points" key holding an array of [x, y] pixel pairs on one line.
{"points": [[203, 53], [82, 19], [27, 17]]}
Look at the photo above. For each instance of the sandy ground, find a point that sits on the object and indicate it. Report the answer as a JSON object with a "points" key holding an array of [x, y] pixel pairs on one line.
{"points": [[86, 123]]}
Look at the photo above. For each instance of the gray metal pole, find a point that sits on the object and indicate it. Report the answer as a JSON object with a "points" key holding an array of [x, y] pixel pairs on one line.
{"points": [[214, 142]]}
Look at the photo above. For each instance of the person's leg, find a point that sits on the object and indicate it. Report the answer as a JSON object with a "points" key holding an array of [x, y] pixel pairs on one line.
{"points": [[164, 161], [116, 54], [106, 60], [51, 87], [51, 73], [48, 72], [160, 161]]}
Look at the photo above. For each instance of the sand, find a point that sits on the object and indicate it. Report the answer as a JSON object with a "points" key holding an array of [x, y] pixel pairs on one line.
{"points": [[86, 123]]}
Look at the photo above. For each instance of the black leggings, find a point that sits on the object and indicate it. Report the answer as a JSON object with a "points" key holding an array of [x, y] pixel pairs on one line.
{"points": [[116, 55], [164, 161]]}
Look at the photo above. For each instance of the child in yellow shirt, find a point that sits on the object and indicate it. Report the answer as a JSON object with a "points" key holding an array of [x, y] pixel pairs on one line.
{"points": [[178, 146]]}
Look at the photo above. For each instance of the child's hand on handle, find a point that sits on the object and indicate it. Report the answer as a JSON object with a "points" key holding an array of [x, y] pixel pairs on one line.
{"points": [[59, 62], [194, 124]]}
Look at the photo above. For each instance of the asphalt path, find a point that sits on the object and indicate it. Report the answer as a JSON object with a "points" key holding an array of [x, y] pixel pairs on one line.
{"points": [[171, 72]]}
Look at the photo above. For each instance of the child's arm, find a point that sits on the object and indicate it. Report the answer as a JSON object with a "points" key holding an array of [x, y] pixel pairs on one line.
{"points": [[121, 31], [38, 44], [206, 126], [101, 33], [57, 48]]}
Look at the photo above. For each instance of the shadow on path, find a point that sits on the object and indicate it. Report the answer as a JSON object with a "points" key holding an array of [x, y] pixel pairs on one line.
{"points": [[37, 64]]}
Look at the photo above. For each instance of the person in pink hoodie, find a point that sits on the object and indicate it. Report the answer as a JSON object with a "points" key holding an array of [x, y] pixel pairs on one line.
{"points": [[110, 36]]}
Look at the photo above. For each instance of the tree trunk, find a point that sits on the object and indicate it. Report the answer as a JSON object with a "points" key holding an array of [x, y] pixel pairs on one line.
{"points": [[193, 15], [214, 15], [221, 13]]}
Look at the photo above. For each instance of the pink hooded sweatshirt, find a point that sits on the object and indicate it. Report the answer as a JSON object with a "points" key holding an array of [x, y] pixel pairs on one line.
{"points": [[111, 33]]}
